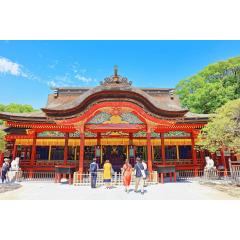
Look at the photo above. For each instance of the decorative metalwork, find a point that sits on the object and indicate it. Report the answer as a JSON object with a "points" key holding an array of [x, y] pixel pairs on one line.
{"points": [[177, 134], [51, 134], [116, 79]]}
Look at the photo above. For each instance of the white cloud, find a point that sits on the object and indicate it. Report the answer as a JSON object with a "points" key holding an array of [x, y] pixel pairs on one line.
{"points": [[84, 79], [52, 83], [71, 78], [9, 67]]}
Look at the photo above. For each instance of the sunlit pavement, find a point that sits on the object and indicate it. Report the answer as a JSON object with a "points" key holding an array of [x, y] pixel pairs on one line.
{"points": [[53, 191]]}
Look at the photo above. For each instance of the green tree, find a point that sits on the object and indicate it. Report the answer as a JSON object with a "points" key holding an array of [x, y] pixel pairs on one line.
{"points": [[16, 108], [13, 108], [2, 141], [212, 87], [223, 129]]}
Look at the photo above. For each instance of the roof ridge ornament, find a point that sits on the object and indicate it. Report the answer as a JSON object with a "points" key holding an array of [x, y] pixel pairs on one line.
{"points": [[116, 79]]}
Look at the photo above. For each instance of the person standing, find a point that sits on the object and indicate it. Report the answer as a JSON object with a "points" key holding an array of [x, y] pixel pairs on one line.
{"points": [[139, 175], [5, 168], [127, 175], [146, 172], [107, 174], [93, 172]]}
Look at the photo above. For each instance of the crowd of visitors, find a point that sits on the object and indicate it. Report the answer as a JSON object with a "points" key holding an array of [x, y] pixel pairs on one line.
{"points": [[139, 171]]}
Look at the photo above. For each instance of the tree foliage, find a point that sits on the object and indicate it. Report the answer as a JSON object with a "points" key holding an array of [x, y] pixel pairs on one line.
{"points": [[2, 142], [16, 108], [12, 108], [223, 129], [212, 87]]}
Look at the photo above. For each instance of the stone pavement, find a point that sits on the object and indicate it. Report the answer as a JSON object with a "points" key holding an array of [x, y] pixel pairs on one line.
{"points": [[167, 191]]}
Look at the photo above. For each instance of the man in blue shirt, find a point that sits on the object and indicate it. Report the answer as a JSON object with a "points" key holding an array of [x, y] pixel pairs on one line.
{"points": [[139, 175], [93, 173]]}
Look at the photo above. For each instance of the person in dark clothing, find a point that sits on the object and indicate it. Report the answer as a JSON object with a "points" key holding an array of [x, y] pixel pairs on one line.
{"points": [[5, 168], [139, 175], [93, 172]]}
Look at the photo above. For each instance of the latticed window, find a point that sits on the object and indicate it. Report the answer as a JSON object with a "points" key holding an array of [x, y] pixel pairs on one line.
{"points": [[89, 153], [57, 153], [42, 152], [185, 152], [157, 153], [171, 152], [141, 151]]}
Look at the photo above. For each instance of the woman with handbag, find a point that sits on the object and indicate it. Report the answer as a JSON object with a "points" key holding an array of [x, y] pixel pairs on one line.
{"points": [[107, 173], [127, 175]]}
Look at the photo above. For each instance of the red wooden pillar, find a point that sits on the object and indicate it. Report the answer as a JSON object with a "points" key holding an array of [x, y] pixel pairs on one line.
{"points": [[149, 151], [130, 139], [194, 156], [132, 160], [81, 155], [98, 139], [33, 154], [14, 153], [1, 158], [65, 156], [163, 149]]}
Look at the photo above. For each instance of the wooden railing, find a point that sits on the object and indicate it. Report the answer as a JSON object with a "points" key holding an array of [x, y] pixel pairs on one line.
{"points": [[175, 162], [84, 179], [117, 179], [38, 176]]}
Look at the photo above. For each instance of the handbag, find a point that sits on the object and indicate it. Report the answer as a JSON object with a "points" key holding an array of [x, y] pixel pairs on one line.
{"points": [[112, 171]]}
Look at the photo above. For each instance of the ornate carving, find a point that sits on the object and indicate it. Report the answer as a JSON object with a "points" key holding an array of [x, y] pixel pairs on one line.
{"points": [[115, 119], [115, 80], [100, 118], [177, 134], [131, 118], [50, 134], [115, 116], [144, 134], [115, 133], [77, 134], [140, 134]]}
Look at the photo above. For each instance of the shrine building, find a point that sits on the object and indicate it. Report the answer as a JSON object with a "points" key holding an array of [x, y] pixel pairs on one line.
{"points": [[113, 121]]}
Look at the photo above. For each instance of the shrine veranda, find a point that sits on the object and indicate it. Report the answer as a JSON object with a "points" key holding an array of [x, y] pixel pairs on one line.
{"points": [[114, 121]]}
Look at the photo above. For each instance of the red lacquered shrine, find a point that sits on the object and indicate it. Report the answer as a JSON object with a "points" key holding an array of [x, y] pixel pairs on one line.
{"points": [[114, 121]]}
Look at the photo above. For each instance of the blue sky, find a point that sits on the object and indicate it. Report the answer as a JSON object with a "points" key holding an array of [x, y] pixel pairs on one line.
{"points": [[28, 69]]}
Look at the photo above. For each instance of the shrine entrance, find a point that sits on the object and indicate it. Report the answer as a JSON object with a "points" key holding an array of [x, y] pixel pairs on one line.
{"points": [[116, 155]]}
